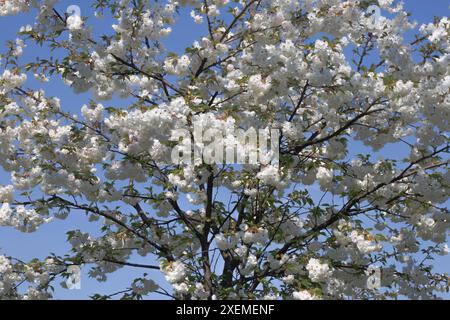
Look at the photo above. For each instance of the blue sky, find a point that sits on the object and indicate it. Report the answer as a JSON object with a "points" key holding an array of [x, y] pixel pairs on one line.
{"points": [[51, 237]]}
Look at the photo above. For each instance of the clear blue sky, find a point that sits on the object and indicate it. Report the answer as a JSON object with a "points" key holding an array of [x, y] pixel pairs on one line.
{"points": [[51, 237]]}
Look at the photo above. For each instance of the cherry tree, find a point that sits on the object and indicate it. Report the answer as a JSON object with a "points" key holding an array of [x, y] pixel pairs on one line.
{"points": [[327, 74]]}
